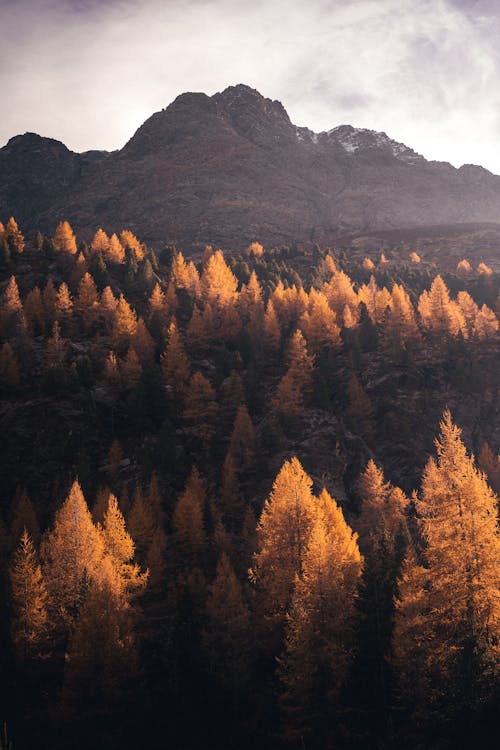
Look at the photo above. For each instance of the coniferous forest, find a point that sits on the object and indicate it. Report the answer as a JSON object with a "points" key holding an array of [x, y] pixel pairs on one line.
{"points": [[248, 499]]}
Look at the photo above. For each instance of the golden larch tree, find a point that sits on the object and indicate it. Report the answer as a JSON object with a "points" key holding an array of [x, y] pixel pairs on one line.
{"points": [[255, 250], [464, 268], [340, 294], [63, 303], [400, 325], [29, 598], [320, 624], [64, 239], [175, 364], [282, 537], [71, 554], [180, 274], [14, 236], [107, 307], [157, 302], [319, 324], [296, 385], [271, 329], [484, 270], [143, 343], [114, 252], [485, 323], [125, 322], [86, 302], [469, 310], [100, 242], [128, 239], [12, 304], [125, 577], [457, 519], [218, 283]]}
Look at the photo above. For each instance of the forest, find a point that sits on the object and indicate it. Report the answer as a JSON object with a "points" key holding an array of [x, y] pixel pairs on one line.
{"points": [[247, 499]]}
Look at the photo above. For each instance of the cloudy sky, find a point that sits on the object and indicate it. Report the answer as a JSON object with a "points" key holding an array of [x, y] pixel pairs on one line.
{"points": [[89, 72]]}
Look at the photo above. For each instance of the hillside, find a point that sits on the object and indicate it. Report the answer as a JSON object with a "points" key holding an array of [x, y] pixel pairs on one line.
{"points": [[232, 168], [181, 438]]}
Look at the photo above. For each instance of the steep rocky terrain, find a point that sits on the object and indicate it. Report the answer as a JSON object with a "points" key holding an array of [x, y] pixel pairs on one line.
{"points": [[232, 168]]}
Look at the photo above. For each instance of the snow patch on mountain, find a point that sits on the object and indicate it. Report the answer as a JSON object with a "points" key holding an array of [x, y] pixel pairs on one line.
{"points": [[357, 139]]}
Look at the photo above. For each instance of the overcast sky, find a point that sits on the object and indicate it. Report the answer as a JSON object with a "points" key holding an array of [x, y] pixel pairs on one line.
{"points": [[89, 72]]}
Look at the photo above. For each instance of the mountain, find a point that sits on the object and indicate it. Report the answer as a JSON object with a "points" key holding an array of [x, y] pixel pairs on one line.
{"points": [[232, 168]]}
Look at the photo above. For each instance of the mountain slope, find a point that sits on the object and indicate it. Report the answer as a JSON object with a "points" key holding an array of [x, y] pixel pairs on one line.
{"points": [[231, 168]]}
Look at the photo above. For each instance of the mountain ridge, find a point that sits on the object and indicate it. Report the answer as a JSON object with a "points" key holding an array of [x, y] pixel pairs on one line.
{"points": [[230, 168]]}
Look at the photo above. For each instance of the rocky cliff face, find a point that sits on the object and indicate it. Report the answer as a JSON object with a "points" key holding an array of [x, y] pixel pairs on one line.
{"points": [[232, 168]]}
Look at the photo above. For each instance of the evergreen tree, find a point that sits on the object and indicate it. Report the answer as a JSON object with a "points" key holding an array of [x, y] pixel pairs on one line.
{"points": [[9, 367], [102, 660], [226, 635], [34, 311], [188, 523], [141, 524], [200, 408]]}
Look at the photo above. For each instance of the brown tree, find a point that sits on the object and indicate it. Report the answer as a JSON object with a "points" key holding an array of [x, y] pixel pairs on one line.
{"points": [[319, 632], [71, 553], [226, 637], [125, 322], [100, 242], [282, 537], [29, 598], [457, 656], [64, 239], [175, 363], [296, 385], [9, 366], [188, 523], [200, 408], [86, 302], [14, 237]]}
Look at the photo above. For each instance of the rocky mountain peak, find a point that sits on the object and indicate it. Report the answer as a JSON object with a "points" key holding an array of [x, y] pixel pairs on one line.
{"points": [[231, 168], [359, 139], [257, 118]]}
